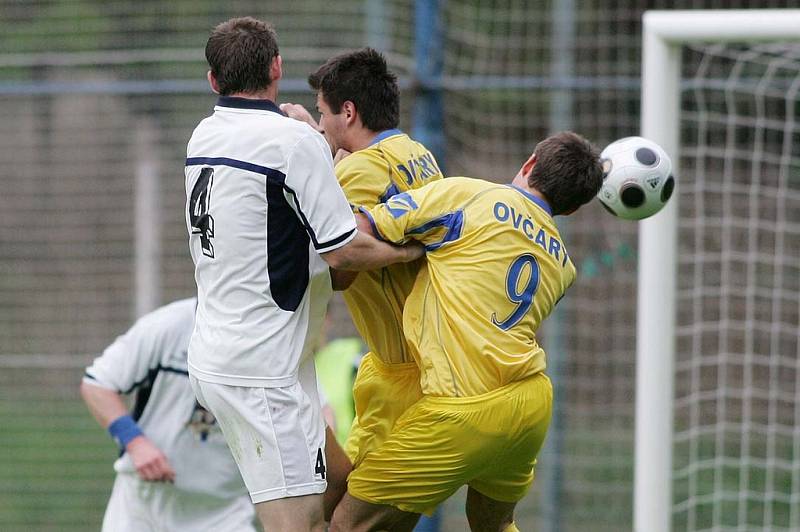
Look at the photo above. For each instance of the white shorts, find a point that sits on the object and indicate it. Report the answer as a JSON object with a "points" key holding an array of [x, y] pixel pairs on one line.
{"points": [[139, 506], [276, 435]]}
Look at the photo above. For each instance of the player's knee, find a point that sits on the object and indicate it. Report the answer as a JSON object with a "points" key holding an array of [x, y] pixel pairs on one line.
{"points": [[294, 513], [343, 517], [354, 515], [483, 522]]}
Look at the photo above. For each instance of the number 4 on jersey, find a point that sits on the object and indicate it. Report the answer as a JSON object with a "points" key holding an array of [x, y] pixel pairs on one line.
{"points": [[319, 468], [199, 204]]}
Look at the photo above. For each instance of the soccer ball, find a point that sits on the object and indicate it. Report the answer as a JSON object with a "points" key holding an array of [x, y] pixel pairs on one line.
{"points": [[638, 178]]}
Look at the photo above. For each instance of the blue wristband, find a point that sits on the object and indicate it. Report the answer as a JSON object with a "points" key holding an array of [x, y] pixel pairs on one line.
{"points": [[123, 430]]}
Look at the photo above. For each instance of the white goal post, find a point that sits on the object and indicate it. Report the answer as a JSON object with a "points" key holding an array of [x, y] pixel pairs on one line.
{"points": [[664, 35]]}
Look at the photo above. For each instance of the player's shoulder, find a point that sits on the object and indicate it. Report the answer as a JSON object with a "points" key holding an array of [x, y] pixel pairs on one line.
{"points": [[274, 127], [295, 128], [298, 138], [463, 185], [401, 147], [367, 160], [199, 132], [463, 192]]}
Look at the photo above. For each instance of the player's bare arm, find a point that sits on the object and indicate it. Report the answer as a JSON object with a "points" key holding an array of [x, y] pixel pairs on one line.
{"points": [[106, 406], [342, 279], [365, 252]]}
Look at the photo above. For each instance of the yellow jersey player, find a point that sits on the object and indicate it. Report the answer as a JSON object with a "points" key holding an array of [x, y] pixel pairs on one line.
{"points": [[359, 104], [496, 266]]}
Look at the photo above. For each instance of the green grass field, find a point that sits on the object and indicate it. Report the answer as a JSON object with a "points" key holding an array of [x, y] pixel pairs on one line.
{"points": [[55, 466], [56, 475]]}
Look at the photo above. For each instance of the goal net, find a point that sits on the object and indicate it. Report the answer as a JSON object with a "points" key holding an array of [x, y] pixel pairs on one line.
{"points": [[737, 375], [735, 413]]}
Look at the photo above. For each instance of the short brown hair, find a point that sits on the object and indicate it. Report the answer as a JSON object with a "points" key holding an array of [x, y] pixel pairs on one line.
{"points": [[568, 171], [240, 52], [363, 78]]}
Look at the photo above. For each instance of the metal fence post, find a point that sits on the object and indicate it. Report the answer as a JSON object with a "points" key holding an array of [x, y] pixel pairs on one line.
{"points": [[428, 113]]}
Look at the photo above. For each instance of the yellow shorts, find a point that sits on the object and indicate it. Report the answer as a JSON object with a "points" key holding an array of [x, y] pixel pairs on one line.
{"points": [[488, 441], [381, 393]]}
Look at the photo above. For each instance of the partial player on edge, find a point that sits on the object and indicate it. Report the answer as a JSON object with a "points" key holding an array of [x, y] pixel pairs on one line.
{"points": [[175, 472]]}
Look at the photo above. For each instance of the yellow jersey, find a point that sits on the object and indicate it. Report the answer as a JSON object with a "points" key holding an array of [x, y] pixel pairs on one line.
{"points": [[496, 266], [393, 163]]}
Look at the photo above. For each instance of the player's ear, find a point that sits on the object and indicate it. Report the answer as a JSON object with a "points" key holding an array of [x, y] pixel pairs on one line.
{"points": [[527, 168], [276, 69], [350, 112], [213, 82]]}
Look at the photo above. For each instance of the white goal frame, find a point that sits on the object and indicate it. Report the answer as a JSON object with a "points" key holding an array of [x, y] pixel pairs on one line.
{"points": [[664, 34]]}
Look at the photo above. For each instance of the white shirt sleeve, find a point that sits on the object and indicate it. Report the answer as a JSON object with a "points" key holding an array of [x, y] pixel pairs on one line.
{"points": [[127, 362], [319, 200]]}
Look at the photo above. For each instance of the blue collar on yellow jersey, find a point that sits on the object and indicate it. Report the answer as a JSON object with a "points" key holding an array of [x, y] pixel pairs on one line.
{"points": [[383, 135], [247, 103], [538, 201]]}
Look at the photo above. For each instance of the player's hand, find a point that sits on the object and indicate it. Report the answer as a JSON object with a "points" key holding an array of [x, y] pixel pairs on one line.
{"points": [[149, 461], [414, 250], [363, 225], [298, 112], [341, 153]]}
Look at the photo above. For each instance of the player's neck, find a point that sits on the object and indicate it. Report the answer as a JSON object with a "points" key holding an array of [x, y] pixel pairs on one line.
{"points": [[360, 138], [520, 181], [270, 93]]}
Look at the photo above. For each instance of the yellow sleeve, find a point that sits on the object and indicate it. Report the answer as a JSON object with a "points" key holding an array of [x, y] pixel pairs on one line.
{"points": [[365, 179], [433, 214]]}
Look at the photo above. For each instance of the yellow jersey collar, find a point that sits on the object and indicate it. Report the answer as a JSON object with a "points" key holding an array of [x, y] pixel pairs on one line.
{"points": [[538, 201]]}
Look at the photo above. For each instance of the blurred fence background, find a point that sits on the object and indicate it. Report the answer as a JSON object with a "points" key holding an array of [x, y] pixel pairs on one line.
{"points": [[97, 101]]}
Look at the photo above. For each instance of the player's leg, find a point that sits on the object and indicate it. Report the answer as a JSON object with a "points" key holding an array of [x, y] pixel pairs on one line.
{"points": [[424, 460], [302, 513], [485, 514], [190, 511], [276, 436], [356, 515], [381, 394], [338, 467], [524, 416]]}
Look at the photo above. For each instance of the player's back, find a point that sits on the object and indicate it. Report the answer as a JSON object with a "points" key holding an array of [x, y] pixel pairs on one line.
{"points": [[393, 163], [496, 266], [261, 206]]}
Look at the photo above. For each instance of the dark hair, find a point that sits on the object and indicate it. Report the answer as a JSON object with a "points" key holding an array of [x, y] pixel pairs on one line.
{"points": [[240, 52], [363, 78], [568, 171]]}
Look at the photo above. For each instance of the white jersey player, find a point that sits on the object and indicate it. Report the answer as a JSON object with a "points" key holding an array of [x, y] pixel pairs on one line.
{"points": [[175, 472], [266, 218]]}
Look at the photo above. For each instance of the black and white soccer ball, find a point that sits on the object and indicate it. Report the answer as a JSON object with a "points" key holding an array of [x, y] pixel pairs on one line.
{"points": [[638, 178]]}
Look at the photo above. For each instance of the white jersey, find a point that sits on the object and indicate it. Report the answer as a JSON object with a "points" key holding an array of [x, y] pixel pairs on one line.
{"points": [[150, 361], [262, 203]]}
